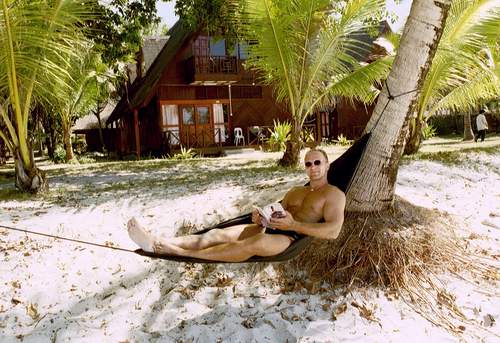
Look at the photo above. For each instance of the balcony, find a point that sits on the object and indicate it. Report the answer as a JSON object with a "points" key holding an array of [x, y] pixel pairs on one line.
{"points": [[212, 70]]}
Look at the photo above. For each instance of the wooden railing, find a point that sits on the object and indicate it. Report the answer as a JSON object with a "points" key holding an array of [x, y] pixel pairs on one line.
{"points": [[203, 139], [213, 64], [255, 135]]}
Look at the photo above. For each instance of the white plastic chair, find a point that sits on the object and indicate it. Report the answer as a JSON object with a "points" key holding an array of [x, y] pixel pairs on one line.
{"points": [[238, 136]]}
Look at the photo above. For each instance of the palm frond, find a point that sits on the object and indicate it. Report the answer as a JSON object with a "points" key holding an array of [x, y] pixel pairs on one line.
{"points": [[394, 39], [353, 84], [481, 89], [36, 40], [460, 56], [302, 44], [273, 40]]}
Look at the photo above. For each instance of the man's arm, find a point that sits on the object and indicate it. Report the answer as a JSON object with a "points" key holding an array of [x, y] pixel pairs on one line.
{"points": [[333, 214]]}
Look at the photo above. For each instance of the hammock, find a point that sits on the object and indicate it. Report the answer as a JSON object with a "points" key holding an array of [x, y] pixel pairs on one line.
{"points": [[340, 174]]}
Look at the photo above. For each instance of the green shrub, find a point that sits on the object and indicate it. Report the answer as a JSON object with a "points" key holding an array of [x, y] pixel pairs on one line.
{"points": [[185, 154], [307, 135], [79, 145], [342, 140], [279, 135], [59, 155], [428, 131]]}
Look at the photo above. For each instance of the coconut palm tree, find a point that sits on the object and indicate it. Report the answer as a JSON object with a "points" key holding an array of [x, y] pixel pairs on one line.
{"points": [[76, 98], [37, 39], [308, 50], [464, 72], [372, 188]]}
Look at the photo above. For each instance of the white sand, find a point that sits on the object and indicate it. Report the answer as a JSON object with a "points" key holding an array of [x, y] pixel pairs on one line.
{"points": [[58, 291]]}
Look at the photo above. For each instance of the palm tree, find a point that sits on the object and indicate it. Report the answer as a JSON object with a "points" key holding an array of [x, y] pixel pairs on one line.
{"points": [[307, 50], [463, 73], [468, 133], [77, 96], [372, 188], [37, 39]]}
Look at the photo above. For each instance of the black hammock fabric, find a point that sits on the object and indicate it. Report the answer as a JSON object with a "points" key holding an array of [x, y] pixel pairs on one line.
{"points": [[340, 174]]}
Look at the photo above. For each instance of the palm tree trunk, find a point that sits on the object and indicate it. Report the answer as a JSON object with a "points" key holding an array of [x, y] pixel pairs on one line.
{"points": [[291, 155], [3, 156], [67, 142], [414, 138], [373, 186], [468, 134], [29, 179], [48, 124], [101, 136]]}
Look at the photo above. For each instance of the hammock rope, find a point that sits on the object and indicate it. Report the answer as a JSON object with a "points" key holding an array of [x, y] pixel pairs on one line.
{"points": [[65, 238], [294, 248]]}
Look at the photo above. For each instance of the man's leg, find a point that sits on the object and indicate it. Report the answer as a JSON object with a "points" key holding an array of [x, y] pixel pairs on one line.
{"points": [[215, 237], [190, 242], [483, 135], [260, 244], [242, 242]]}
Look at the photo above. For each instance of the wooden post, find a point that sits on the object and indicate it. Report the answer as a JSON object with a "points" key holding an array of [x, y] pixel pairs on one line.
{"points": [[137, 137]]}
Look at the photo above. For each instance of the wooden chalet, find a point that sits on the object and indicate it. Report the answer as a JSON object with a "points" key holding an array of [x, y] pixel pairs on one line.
{"points": [[197, 94]]}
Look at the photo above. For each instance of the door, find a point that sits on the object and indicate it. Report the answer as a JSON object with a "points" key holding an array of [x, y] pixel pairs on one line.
{"points": [[204, 127], [197, 126]]}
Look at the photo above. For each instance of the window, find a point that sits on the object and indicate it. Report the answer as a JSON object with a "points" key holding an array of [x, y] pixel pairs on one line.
{"points": [[188, 115], [203, 115], [170, 123], [217, 47], [170, 116]]}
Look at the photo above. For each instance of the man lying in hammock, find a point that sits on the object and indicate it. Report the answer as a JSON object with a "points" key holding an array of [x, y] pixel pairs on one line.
{"points": [[305, 207]]}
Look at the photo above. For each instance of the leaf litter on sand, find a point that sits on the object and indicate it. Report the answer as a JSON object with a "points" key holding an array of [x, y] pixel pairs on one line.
{"points": [[207, 276]]}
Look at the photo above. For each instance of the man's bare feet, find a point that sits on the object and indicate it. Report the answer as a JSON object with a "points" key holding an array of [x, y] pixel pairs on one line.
{"points": [[137, 233]]}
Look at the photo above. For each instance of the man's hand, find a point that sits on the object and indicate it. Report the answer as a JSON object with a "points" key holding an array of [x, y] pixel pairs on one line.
{"points": [[284, 223], [256, 219]]}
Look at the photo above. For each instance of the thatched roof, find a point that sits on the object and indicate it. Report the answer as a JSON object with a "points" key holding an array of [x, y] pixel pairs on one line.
{"points": [[90, 122], [151, 48]]}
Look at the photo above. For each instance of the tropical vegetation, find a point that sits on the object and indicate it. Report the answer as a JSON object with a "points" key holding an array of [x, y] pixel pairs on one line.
{"points": [[57, 59], [38, 41], [279, 135], [465, 72], [309, 51], [76, 100]]}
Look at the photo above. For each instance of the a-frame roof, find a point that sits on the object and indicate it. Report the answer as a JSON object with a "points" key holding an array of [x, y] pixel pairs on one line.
{"points": [[141, 89]]}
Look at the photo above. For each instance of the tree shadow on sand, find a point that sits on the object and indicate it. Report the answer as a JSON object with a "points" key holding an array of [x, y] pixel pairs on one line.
{"points": [[91, 311], [190, 315]]}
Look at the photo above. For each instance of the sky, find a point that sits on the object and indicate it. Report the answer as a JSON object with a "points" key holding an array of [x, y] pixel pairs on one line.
{"points": [[166, 12]]}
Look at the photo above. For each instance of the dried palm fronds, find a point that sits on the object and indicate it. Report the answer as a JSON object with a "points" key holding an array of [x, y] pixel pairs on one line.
{"points": [[406, 251]]}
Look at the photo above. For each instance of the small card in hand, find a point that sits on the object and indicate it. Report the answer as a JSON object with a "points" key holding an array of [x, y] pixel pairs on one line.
{"points": [[274, 210]]}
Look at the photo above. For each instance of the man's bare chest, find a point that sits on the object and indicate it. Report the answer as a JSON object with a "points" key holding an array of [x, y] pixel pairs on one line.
{"points": [[307, 203]]}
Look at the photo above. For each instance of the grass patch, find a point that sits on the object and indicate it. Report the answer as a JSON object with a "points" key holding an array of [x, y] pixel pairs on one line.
{"points": [[8, 194], [456, 157], [71, 185]]}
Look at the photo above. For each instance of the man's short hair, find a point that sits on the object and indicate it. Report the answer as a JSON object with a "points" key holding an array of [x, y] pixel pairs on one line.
{"points": [[318, 150]]}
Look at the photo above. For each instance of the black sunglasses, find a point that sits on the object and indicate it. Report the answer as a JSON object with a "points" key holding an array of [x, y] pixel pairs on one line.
{"points": [[309, 163]]}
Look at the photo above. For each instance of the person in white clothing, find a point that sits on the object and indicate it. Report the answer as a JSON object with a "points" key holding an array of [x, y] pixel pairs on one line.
{"points": [[482, 126]]}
